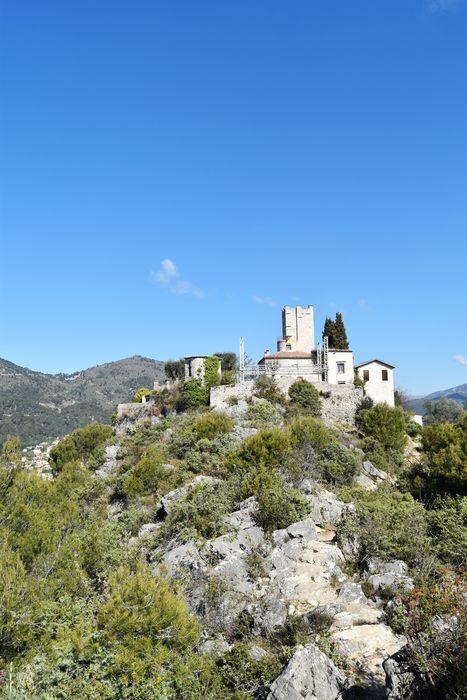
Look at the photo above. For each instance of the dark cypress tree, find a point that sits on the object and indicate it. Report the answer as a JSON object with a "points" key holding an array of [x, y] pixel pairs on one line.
{"points": [[330, 331], [340, 337]]}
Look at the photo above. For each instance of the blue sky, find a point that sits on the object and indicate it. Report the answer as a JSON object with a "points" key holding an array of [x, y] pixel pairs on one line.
{"points": [[272, 152]]}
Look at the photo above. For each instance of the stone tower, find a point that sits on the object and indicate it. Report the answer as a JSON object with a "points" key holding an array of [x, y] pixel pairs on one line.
{"points": [[298, 329]]}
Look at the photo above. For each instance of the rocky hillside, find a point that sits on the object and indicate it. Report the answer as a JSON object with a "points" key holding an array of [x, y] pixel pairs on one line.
{"points": [[37, 406], [256, 552]]}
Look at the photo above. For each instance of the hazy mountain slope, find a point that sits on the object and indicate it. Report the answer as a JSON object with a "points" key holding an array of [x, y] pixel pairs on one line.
{"points": [[37, 406], [457, 393]]}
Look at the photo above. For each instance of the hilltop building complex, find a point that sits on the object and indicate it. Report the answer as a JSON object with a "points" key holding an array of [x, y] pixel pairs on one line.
{"points": [[296, 356]]}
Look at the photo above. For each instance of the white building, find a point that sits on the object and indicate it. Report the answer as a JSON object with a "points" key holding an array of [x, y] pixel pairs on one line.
{"points": [[340, 367], [379, 380], [296, 354]]}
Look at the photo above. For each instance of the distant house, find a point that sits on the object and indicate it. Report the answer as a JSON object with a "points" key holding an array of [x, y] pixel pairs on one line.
{"points": [[379, 380]]}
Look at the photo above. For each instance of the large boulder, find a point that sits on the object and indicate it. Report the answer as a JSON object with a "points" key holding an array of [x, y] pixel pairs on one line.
{"points": [[309, 675], [327, 508], [370, 469], [388, 575]]}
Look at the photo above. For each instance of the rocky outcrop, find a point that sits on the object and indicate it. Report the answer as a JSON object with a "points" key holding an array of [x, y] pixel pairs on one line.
{"points": [[110, 461], [299, 571], [371, 470], [401, 682], [37, 458], [387, 576], [309, 675]]}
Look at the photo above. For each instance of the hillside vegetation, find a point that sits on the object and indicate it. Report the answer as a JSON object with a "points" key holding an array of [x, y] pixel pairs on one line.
{"points": [[249, 554], [37, 406]]}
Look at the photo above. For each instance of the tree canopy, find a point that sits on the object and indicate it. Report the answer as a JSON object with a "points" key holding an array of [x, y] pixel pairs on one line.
{"points": [[336, 333]]}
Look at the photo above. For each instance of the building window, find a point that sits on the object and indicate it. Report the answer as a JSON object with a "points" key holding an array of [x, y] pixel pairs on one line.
{"points": [[366, 375], [341, 382], [341, 368], [288, 346], [384, 374]]}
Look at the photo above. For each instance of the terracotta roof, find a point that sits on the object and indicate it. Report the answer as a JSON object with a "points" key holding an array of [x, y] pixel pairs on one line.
{"points": [[287, 355], [368, 362]]}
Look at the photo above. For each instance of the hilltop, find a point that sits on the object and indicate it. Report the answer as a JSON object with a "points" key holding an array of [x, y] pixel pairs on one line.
{"points": [[278, 546], [37, 406]]}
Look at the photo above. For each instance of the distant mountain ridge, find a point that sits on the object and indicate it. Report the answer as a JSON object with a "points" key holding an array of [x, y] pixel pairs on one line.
{"points": [[37, 406], [456, 393]]}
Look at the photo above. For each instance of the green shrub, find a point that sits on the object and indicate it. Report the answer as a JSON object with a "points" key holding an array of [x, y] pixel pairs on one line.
{"points": [[442, 410], [142, 391], [433, 619], [10, 462], [212, 376], [387, 425], [339, 464], [445, 457], [305, 396], [266, 388], [148, 475], [447, 523], [390, 524], [142, 608], [201, 513], [262, 413], [207, 456], [387, 460], [80, 445], [193, 393], [308, 430], [364, 405], [278, 505], [228, 377], [211, 425], [269, 446], [243, 676]]}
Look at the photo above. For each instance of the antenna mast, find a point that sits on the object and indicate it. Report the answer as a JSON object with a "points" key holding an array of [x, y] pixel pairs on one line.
{"points": [[242, 360]]}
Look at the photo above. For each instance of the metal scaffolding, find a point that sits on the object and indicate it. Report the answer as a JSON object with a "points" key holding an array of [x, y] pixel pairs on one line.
{"points": [[248, 371]]}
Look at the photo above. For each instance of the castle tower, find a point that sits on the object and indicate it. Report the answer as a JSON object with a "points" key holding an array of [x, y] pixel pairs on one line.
{"points": [[298, 329]]}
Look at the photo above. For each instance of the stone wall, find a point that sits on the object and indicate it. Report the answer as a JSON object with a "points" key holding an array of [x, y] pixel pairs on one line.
{"points": [[339, 400]]}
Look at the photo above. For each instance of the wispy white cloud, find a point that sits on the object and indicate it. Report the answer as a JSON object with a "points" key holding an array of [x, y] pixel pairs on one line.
{"points": [[184, 288], [169, 275], [442, 5], [264, 300], [461, 359], [167, 272]]}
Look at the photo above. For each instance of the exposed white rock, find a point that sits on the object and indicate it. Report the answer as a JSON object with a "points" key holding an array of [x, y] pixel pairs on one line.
{"points": [[373, 471], [365, 482], [309, 675]]}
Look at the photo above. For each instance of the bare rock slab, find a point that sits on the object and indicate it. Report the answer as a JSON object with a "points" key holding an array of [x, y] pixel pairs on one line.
{"points": [[309, 675]]}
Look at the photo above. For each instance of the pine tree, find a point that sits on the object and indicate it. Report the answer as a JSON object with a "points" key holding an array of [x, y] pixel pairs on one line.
{"points": [[340, 337]]}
